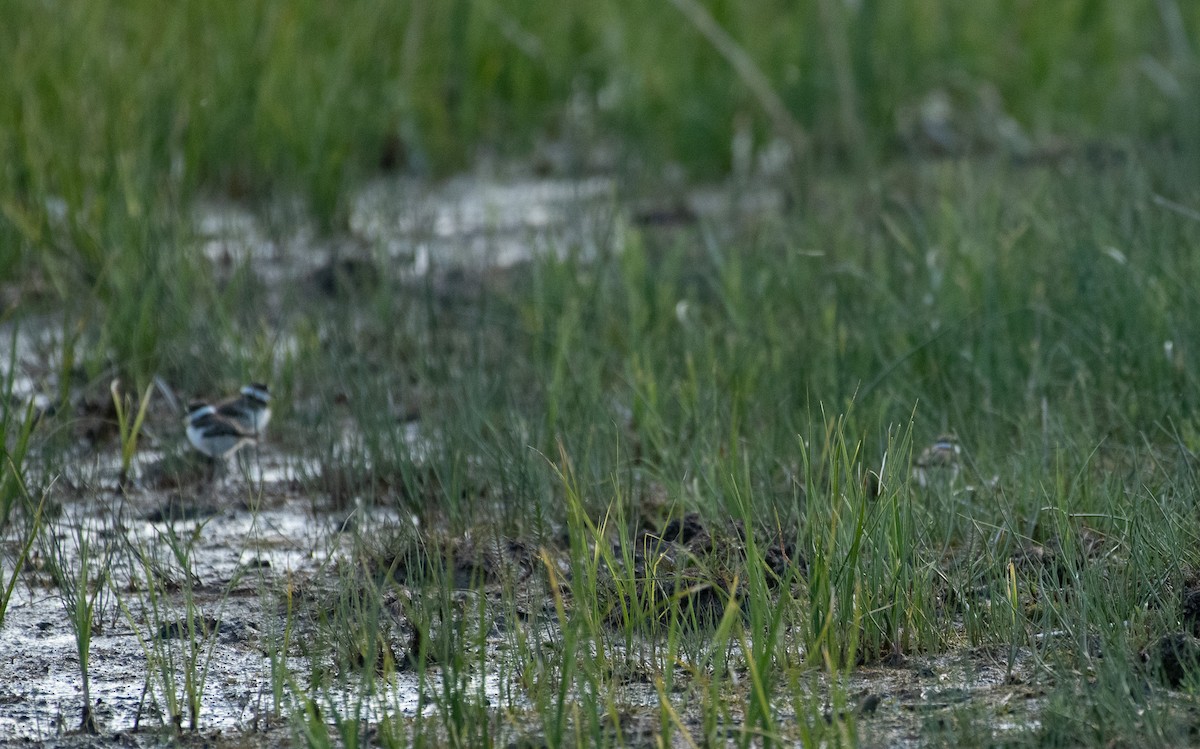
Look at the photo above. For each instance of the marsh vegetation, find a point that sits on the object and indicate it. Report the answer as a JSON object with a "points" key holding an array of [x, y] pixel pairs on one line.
{"points": [[667, 374]]}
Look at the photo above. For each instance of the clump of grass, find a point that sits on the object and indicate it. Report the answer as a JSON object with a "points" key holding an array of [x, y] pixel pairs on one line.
{"points": [[129, 425], [177, 637], [16, 431], [31, 533], [81, 575]]}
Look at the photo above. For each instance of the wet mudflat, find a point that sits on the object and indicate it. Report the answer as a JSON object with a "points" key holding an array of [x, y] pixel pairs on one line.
{"points": [[257, 575], [546, 469]]}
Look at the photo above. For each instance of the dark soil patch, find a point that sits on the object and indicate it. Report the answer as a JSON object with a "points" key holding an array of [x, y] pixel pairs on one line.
{"points": [[1173, 657]]}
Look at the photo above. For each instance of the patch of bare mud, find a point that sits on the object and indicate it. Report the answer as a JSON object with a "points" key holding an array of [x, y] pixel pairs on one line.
{"points": [[236, 558]]}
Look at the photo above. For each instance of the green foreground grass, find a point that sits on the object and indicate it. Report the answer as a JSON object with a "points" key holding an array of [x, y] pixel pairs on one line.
{"points": [[1043, 311]]}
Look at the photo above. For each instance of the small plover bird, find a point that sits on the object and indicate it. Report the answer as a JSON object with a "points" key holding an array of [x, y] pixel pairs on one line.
{"points": [[250, 409], [214, 435], [942, 457]]}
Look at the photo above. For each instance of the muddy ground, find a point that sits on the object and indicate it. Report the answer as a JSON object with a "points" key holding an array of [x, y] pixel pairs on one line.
{"points": [[245, 558]]}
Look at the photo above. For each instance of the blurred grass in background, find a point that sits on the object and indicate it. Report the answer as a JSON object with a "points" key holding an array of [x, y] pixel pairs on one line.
{"points": [[112, 106]]}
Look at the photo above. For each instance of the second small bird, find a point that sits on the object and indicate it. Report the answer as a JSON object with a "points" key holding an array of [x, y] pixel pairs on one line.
{"points": [[213, 434], [250, 409]]}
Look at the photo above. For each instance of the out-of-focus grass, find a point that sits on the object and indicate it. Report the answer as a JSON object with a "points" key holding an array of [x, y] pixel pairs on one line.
{"points": [[116, 107]]}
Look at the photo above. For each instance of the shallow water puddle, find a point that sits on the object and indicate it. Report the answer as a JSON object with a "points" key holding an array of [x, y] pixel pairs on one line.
{"points": [[467, 222], [478, 222]]}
